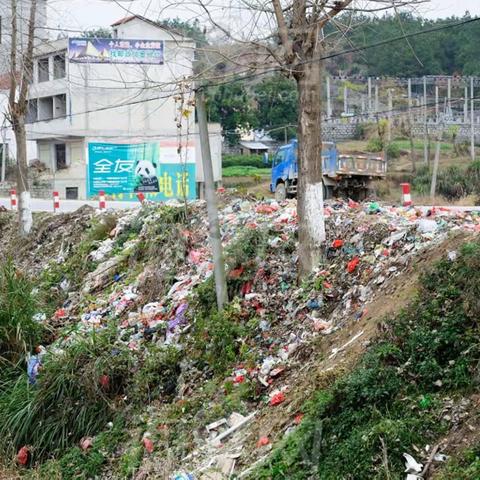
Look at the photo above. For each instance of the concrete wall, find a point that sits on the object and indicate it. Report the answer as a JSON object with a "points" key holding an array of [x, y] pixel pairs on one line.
{"points": [[72, 177]]}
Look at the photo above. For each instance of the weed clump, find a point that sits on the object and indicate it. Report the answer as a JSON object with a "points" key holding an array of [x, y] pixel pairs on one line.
{"points": [[19, 332]]}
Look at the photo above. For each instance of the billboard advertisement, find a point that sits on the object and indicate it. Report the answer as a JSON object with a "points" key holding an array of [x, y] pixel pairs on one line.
{"points": [[156, 169], [115, 50]]}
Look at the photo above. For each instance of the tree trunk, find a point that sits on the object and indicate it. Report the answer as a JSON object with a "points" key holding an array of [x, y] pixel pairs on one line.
{"points": [[23, 190], [311, 231]]}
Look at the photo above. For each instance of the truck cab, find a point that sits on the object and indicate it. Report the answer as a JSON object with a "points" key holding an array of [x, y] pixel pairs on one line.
{"points": [[344, 174]]}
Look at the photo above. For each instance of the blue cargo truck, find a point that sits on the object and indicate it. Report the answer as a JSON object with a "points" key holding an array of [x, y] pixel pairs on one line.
{"points": [[348, 175]]}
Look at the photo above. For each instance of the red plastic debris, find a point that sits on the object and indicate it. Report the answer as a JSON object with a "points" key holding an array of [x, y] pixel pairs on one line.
{"points": [[60, 313], [262, 441], [22, 456], [237, 273], [86, 443], [148, 444], [105, 382], [266, 209], [239, 379], [298, 419], [195, 257], [246, 288], [327, 285], [353, 264], [277, 399], [337, 243], [353, 204]]}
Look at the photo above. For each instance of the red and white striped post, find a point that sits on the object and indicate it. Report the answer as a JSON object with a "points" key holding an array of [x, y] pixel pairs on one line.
{"points": [[102, 204], [13, 199], [56, 201], [406, 195]]}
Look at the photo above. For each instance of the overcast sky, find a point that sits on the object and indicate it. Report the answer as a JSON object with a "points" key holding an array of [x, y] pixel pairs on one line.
{"points": [[93, 13]]}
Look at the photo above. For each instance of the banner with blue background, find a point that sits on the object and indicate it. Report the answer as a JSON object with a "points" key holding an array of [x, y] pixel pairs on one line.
{"points": [[156, 169]]}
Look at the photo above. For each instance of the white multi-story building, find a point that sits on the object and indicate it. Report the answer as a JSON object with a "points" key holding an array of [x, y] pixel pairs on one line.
{"points": [[89, 92]]}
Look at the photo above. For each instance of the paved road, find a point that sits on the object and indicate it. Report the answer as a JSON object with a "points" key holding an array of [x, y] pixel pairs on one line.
{"points": [[42, 205]]}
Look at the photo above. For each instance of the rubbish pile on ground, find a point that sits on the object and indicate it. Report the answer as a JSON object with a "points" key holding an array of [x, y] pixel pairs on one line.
{"points": [[367, 245]]}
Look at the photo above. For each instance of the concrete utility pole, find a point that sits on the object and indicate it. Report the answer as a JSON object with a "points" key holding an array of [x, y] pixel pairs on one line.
{"points": [[433, 186], [436, 103], [390, 115], [212, 207], [369, 94], [345, 100], [449, 97], [377, 103], [465, 106], [472, 120], [409, 93], [329, 100], [4, 155], [425, 126]]}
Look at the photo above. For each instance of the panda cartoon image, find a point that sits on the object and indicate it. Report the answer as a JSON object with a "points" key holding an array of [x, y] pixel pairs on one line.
{"points": [[146, 176]]}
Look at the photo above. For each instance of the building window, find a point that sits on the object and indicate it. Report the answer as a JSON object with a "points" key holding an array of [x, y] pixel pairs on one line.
{"points": [[59, 66], [71, 193], [45, 108], [60, 106], [32, 112], [43, 74], [60, 156]]}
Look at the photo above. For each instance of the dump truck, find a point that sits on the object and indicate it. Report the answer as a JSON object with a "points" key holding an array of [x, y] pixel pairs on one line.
{"points": [[349, 175]]}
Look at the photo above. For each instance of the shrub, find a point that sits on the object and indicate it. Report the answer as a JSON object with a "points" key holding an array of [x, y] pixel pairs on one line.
{"points": [[157, 375], [243, 161], [19, 333], [216, 339], [393, 151], [375, 145]]}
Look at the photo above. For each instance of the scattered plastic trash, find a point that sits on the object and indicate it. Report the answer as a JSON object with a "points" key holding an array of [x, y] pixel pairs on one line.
{"points": [[148, 444], [353, 264], [183, 476], [427, 226], [411, 465], [262, 442], [452, 256], [277, 399], [86, 443], [23, 456]]}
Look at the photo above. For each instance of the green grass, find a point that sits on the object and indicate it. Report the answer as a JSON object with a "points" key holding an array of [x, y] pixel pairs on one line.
{"points": [[392, 400], [19, 333], [466, 467], [418, 145], [239, 171]]}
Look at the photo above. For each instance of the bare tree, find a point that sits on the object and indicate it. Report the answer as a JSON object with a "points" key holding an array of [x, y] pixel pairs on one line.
{"points": [[21, 71], [296, 45]]}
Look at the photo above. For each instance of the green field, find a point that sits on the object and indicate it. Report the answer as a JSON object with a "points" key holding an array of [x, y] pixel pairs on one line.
{"points": [[241, 171], [418, 144]]}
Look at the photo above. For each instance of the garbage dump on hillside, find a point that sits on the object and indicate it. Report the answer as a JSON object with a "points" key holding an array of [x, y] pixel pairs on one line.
{"points": [[367, 246]]}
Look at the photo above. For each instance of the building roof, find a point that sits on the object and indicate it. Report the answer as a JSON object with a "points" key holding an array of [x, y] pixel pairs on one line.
{"points": [[124, 20], [253, 145]]}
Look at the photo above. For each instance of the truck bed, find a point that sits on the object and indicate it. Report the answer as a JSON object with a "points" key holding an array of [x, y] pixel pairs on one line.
{"points": [[358, 165]]}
